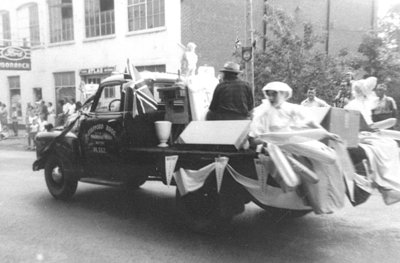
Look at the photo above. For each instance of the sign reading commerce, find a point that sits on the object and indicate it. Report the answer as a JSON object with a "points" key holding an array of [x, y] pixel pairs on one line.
{"points": [[15, 58]]}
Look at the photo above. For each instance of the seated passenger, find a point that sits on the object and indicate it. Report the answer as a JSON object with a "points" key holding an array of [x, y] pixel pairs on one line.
{"points": [[363, 98], [381, 151], [276, 116]]}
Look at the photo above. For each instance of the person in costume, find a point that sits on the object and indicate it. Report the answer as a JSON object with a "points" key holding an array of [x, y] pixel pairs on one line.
{"points": [[377, 146], [283, 127], [276, 114], [363, 98]]}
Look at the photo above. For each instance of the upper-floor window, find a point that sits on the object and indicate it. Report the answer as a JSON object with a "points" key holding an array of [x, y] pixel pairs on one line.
{"points": [[99, 18], [61, 20], [5, 32], [28, 25], [145, 14]]}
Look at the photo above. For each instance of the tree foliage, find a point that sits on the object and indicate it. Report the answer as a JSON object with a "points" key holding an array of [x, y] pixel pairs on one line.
{"points": [[381, 48], [301, 62], [296, 60], [381, 52]]}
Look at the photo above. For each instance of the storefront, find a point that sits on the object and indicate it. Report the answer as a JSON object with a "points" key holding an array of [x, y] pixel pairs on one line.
{"points": [[91, 78], [15, 58], [95, 75]]}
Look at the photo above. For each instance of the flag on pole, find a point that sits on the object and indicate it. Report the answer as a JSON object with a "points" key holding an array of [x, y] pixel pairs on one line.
{"points": [[131, 70], [238, 43], [145, 101]]}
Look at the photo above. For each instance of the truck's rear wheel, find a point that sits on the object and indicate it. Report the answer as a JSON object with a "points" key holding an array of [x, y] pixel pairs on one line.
{"points": [[59, 183], [201, 212], [278, 214]]}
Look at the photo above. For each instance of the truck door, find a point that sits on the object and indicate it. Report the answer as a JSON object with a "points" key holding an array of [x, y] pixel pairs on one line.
{"points": [[101, 132]]}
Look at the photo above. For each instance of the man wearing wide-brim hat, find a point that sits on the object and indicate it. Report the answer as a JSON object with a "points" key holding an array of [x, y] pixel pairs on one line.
{"points": [[232, 98]]}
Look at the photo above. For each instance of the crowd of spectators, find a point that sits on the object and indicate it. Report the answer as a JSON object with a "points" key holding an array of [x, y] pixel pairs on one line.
{"points": [[42, 115], [38, 116]]}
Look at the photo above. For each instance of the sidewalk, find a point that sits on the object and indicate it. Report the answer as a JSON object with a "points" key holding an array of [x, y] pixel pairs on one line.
{"points": [[12, 142]]}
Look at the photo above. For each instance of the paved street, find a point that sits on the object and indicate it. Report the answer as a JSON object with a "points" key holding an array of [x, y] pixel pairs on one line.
{"points": [[104, 224]]}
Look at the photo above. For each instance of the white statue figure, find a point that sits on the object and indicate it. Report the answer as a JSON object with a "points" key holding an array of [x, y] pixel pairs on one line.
{"points": [[189, 60]]}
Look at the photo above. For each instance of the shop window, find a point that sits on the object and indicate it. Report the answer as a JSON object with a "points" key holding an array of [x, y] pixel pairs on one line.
{"points": [[93, 80], [28, 25], [65, 87], [37, 94], [99, 18], [5, 32], [61, 20], [15, 94], [145, 14]]}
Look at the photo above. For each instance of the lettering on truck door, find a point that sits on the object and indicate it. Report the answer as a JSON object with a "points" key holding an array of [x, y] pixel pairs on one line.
{"points": [[101, 133]]}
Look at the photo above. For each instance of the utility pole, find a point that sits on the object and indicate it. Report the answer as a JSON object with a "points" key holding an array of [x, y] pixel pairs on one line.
{"points": [[249, 58], [328, 25]]}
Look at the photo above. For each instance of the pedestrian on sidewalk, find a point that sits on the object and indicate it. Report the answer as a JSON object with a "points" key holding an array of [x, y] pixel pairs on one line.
{"points": [[51, 118], [3, 117], [34, 128], [14, 120], [28, 121]]}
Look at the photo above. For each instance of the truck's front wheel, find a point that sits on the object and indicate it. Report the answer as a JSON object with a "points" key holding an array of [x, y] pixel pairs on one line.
{"points": [[60, 184]]}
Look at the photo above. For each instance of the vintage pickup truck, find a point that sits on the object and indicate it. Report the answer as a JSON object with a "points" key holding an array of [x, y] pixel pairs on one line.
{"points": [[113, 141]]}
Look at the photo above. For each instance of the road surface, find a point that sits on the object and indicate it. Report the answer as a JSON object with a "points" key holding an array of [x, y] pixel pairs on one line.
{"points": [[102, 224]]}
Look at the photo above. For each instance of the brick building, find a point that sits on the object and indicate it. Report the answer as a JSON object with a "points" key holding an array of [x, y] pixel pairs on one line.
{"points": [[63, 45], [348, 20]]}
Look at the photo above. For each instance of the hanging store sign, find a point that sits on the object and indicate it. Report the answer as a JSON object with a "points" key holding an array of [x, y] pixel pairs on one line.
{"points": [[15, 58], [247, 53], [96, 71]]}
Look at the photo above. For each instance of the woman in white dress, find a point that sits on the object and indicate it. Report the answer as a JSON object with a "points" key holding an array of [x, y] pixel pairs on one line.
{"points": [[283, 126], [381, 151]]}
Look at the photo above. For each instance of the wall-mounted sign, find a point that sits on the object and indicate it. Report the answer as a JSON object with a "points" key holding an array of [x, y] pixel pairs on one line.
{"points": [[15, 58], [96, 71], [247, 53]]}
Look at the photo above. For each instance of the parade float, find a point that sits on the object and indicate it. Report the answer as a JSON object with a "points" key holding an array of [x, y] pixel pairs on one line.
{"points": [[154, 129]]}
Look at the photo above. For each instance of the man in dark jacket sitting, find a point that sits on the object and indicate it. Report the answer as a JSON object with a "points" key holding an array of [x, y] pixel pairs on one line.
{"points": [[232, 98]]}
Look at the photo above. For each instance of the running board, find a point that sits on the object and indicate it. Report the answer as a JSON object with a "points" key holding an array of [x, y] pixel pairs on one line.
{"points": [[101, 181]]}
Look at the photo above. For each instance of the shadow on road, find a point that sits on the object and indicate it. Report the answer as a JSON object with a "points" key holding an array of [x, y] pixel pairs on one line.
{"points": [[150, 214]]}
